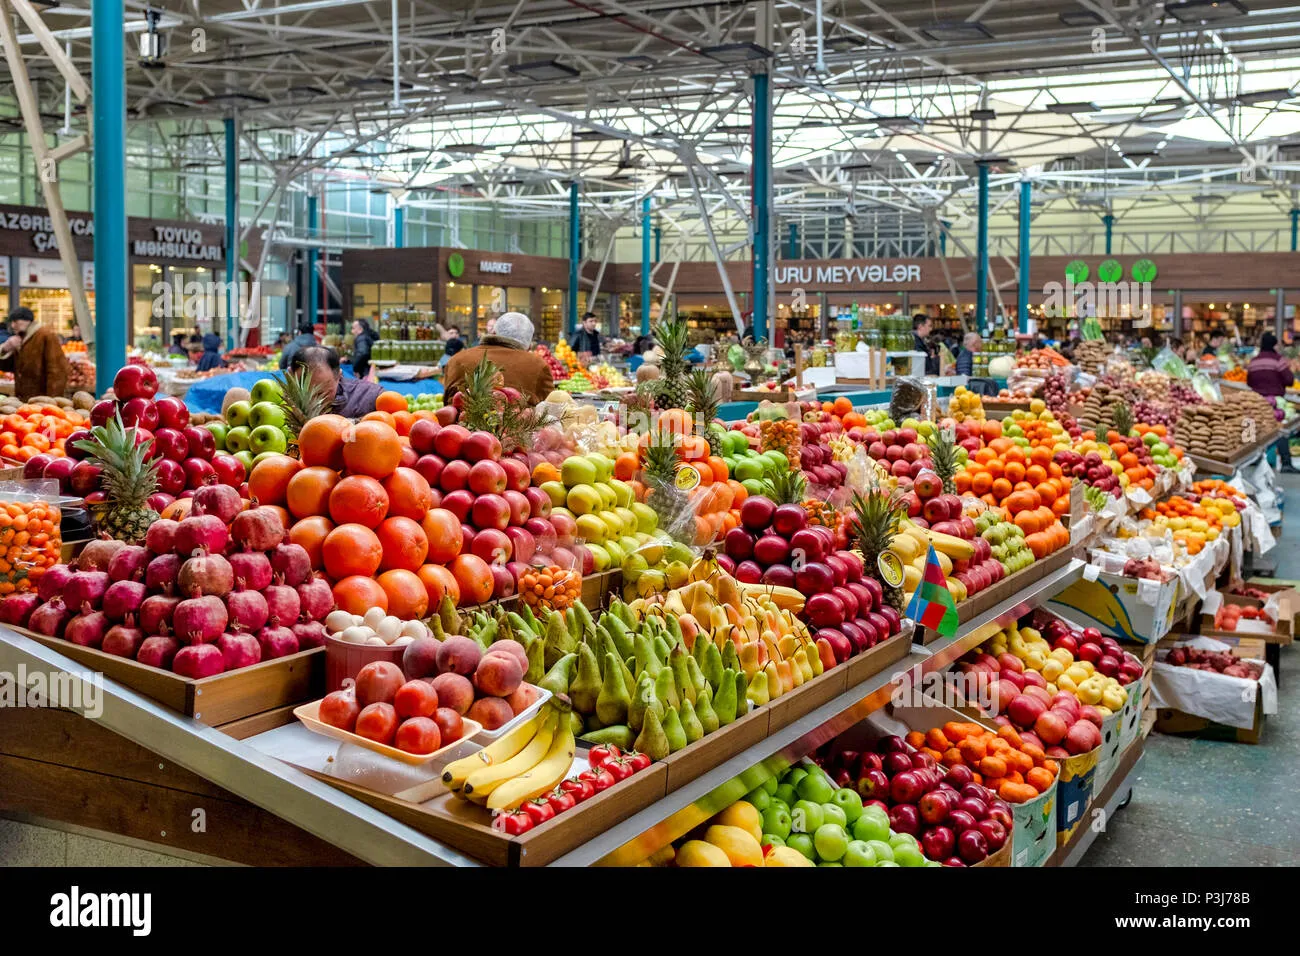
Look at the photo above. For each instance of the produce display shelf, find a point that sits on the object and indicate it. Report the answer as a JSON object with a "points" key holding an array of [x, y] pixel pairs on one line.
{"points": [[1115, 794], [264, 781], [1248, 456]]}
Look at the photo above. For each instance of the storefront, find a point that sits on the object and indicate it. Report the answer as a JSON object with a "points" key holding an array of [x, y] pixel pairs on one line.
{"points": [[461, 287], [177, 275]]}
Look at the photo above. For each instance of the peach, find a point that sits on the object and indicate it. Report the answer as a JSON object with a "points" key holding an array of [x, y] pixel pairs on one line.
{"points": [[377, 682], [449, 725], [498, 675], [421, 658], [513, 648], [458, 655], [525, 696], [491, 712], [454, 692]]}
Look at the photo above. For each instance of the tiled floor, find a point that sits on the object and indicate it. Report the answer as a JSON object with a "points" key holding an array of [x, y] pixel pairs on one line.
{"points": [[1200, 803]]}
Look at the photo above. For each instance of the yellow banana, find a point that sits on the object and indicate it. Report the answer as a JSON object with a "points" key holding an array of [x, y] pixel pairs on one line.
{"points": [[957, 548], [483, 782], [500, 750], [788, 599], [539, 779]]}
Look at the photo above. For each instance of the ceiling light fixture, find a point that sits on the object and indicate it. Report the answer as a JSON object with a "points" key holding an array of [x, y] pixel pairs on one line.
{"points": [[1203, 11], [954, 31], [736, 52], [898, 122], [980, 115], [1080, 18], [1263, 96], [541, 70], [152, 43], [1068, 108]]}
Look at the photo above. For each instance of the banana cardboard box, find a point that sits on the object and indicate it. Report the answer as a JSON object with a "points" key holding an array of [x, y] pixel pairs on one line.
{"points": [[1128, 609]]}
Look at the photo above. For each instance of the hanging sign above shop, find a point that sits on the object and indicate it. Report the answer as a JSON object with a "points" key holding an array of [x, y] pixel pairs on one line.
{"points": [[49, 274], [175, 242], [41, 227], [852, 275], [4, 270]]}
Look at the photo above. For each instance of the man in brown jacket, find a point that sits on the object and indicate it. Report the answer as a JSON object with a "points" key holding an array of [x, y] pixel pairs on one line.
{"points": [[509, 348], [35, 356]]}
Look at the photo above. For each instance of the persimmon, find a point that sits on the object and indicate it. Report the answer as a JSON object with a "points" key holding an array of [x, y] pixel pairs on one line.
{"points": [[408, 599], [351, 549], [321, 441], [308, 491], [358, 499]]}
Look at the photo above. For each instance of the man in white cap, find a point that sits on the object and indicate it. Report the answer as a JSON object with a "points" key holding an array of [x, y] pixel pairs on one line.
{"points": [[510, 348]]}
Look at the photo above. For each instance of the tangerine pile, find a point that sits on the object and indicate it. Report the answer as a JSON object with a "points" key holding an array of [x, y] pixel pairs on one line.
{"points": [[1016, 771], [1003, 468], [30, 543], [550, 587], [38, 429]]}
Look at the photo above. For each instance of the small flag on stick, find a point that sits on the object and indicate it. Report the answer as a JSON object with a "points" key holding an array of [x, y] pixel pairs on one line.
{"points": [[932, 604]]}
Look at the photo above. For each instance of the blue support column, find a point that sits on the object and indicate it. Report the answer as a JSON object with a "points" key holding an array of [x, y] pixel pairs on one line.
{"points": [[399, 226], [108, 78], [1109, 221], [645, 265], [575, 255], [982, 252], [762, 158], [1022, 297], [313, 284], [793, 252], [1295, 228], [232, 231]]}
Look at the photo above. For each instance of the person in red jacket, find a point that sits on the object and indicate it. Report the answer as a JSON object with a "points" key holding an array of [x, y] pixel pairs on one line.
{"points": [[1269, 374]]}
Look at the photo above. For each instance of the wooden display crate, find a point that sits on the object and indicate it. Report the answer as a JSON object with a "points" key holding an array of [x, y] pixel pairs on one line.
{"points": [[215, 700]]}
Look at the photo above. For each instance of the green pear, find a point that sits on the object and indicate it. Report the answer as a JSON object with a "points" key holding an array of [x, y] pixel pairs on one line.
{"points": [[558, 639], [576, 723], [674, 731], [742, 691], [621, 635], [628, 680], [712, 665], [725, 704], [591, 723], [536, 661], [674, 630], [697, 677], [557, 678], [681, 676], [691, 725], [701, 648], [586, 683], [620, 735], [665, 688], [613, 700], [643, 698], [646, 661], [652, 741], [448, 617], [705, 712], [730, 658], [757, 692]]}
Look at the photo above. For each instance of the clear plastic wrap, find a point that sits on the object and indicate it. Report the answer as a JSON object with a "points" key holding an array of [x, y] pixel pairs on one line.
{"points": [[910, 399], [30, 539], [1169, 363]]}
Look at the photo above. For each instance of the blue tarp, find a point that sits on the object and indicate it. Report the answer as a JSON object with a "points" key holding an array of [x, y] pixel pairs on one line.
{"points": [[206, 395]]}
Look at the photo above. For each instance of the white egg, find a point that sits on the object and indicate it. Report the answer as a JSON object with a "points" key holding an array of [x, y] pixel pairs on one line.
{"points": [[377, 641], [357, 634], [390, 629], [403, 640], [414, 629], [374, 616], [337, 621]]}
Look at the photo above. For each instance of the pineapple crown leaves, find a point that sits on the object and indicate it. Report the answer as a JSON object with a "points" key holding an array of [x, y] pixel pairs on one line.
{"points": [[786, 487], [301, 398], [487, 408], [130, 475], [876, 518]]}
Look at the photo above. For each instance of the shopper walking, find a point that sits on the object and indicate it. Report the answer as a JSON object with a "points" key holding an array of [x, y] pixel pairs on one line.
{"points": [[363, 337], [1269, 374], [211, 357], [510, 349], [35, 356]]}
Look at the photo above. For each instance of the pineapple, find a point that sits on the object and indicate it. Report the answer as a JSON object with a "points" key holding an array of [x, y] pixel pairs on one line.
{"points": [[704, 402], [129, 480], [487, 408], [875, 520], [786, 487], [302, 400], [671, 337], [943, 456], [1121, 418], [670, 503]]}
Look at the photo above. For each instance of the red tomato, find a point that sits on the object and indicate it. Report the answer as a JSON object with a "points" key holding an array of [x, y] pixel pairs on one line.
{"points": [[512, 822], [561, 800], [540, 810], [581, 789], [601, 754], [638, 760], [620, 768], [599, 777]]}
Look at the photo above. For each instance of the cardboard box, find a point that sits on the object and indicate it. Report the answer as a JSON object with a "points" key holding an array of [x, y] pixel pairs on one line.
{"points": [[1288, 600], [1176, 723], [1033, 835], [1128, 609], [1074, 791]]}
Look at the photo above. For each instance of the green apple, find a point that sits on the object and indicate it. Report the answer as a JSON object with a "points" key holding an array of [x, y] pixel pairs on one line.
{"points": [[616, 552], [830, 841], [633, 566], [267, 438], [770, 785], [754, 486], [806, 816], [748, 469], [608, 500], [901, 839], [794, 775], [237, 437], [604, 466], [577, 470], [873, 824], [624, 496], [266, 390], [591, 528], [849, 802], [771, 839], [735, 441], [884, 852], [803, 843], [646, 517], [778, 459], [886, 863], [245, 458], [599, 556], [266, 456], [776, 819], [858, 853], [238, 412], [908, 855], [815, 787], [264, 413], [583, 499], [218, 430], [630, 521], [831, 863], [784, 791], [759, 799], [833, 814], [556, 492]]}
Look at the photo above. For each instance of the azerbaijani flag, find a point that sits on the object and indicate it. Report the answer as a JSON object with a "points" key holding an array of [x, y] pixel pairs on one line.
{"points": [[932, 605]]}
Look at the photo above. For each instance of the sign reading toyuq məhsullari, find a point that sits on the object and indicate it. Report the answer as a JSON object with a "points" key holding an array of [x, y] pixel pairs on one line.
{"points": [[173, 242], [857, 276]]}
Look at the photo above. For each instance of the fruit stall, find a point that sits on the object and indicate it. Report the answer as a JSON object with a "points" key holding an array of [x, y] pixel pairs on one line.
{"points": [[912, 631]]}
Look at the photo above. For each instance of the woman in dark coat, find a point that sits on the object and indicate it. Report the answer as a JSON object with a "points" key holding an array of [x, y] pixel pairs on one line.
{"points": [[1269, 374], [211, 357]]}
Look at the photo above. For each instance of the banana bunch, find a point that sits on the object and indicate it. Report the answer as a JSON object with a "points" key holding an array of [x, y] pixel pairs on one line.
{"points": [[527, 762]]}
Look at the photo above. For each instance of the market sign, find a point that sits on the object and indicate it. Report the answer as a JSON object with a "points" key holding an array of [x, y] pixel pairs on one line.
{"points": [[1144, 270], [502, 268], [1110, 271], [175, 242], [456, 265], [855, 276], [41, 227], [1076, 271]]}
